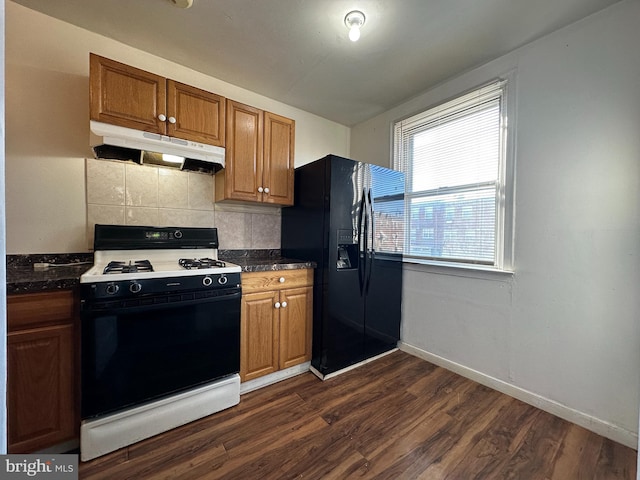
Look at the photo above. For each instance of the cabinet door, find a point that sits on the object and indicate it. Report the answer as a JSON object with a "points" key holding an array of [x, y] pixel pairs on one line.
{"points": [[242, 176], [40, 376], [259, 335], [199, 115], [279, 135], [126, 96], [295, 326]]}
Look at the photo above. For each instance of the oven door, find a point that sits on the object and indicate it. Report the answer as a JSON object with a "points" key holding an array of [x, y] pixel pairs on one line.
{"points": [[136, 351]]}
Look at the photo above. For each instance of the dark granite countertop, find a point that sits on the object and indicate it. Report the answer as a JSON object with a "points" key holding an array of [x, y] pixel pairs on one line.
{"points": [[22, 278], [28, 280], [273, 264], [263, 260]]}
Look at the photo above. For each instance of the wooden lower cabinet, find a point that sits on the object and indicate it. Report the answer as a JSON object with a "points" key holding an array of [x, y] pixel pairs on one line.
{"points": [[276, 321], [41, 370], [295, 326], [260, 335]]}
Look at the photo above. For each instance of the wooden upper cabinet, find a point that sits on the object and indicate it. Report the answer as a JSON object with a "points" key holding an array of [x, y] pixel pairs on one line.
{"points": [[129, 97], [126, 96], [200, 115], [242, 175], [259, 157], [279, 143]]}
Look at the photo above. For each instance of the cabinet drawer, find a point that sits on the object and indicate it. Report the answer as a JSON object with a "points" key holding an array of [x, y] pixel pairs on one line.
{"points": [[276, 280], [34, 309]]}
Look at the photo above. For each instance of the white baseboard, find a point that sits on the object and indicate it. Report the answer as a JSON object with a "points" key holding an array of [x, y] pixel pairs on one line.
{"points": [[274, 377], [601, 427]]}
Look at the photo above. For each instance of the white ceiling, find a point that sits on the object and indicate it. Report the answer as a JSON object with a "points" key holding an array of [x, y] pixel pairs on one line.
{"points": [[298, 52]]}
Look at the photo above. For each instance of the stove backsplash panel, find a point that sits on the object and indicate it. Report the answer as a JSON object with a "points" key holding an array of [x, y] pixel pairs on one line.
{"points": [[122, 193]]}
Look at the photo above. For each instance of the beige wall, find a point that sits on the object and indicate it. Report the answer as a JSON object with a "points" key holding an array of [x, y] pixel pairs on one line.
{"points": [[47, 113]]}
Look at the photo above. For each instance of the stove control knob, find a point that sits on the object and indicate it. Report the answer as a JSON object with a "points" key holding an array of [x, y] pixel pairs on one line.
{"points": [[112, 288], [135, 287], [177, 234], [223, 279], [206, 281]]}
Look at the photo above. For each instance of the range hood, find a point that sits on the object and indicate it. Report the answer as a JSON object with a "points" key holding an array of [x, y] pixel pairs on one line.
{"points": [[120, 143]]}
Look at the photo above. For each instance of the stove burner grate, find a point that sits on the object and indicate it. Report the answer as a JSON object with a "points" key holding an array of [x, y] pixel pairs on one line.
{"points": [[131, 267], [196, 263]]}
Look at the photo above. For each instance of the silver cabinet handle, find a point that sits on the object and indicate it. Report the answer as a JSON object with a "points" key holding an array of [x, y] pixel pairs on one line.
{"points": [[161, 117], [266, 189], [277, 305], [260, 189], [284, 304], [281, 279], [172, 120]]}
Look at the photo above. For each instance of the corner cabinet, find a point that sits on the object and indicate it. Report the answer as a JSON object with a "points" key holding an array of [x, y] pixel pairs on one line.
{"points": [[42, 370], [276, 321], [133, 98], [259, 157]]}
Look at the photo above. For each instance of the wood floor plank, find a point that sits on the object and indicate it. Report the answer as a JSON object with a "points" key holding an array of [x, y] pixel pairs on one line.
{"points": [[374, 437], [465, 440], [430, 451], [578, 455], [496, 445], [398, 417], [535, 456], [615, 462]]}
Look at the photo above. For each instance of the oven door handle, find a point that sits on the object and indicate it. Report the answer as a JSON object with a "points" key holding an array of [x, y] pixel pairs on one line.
{"points": [[156, 302]]}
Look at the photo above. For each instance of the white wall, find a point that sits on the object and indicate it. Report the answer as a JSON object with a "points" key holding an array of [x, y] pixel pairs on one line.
{"points": [[47, 107], [563, 331]]}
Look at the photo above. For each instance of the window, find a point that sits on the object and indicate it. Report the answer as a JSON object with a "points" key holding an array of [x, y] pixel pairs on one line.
{"points": [[457, 193]]}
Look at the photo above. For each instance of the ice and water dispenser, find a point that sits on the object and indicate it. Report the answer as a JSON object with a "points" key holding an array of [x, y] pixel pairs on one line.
{"points": [[347, 250]]}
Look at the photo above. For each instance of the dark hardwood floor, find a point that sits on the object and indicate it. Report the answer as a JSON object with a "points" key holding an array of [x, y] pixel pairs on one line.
{"points": [[396, 418]]}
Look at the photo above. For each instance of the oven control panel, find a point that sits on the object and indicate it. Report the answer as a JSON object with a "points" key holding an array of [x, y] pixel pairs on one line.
{"points": [[123, 289]]}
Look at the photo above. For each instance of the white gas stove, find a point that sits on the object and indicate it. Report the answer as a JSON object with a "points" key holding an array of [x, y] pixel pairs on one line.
{"points": [[131, 260], [160, 333], [131, 264]]}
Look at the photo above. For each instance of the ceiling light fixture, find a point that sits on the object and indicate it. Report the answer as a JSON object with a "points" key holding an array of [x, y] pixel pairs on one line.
{"points": [[182, 3], [354, 21]]}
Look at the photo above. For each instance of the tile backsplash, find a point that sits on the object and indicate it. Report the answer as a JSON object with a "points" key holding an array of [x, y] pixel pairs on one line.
{"points": [[123, 193]]}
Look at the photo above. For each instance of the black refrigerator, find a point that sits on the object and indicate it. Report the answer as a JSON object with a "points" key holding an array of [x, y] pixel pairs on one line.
{"points": [[348, 217]]}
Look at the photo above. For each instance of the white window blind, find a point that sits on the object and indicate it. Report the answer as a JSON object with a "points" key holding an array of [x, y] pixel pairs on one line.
{"points": [[453, 158]]}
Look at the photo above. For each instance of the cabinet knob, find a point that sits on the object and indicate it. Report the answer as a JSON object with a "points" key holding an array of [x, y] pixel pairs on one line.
{"points": [[277, 305], [172, 119], [260, 189], [281, 279], [266, 189], [284, 304], [162, 118]]}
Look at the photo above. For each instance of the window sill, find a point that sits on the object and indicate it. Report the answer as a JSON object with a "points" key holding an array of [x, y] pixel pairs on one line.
{"points": [[456, 269]]}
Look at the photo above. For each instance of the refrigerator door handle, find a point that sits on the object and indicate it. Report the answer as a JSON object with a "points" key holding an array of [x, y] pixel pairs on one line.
{"points": [[370, 251], [362, 242], [373, 224]]}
